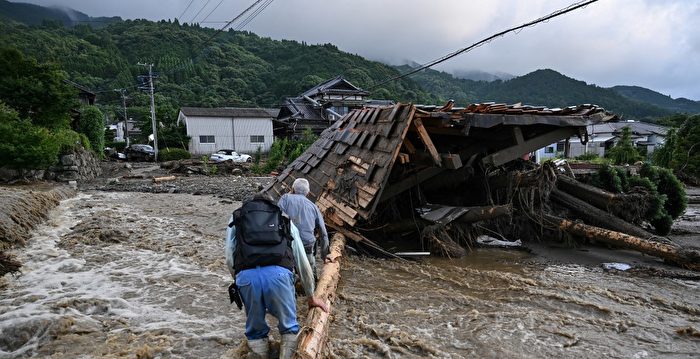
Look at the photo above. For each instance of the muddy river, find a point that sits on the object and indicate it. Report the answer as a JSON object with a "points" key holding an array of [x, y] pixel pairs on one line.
{"points": [[142, 275]]}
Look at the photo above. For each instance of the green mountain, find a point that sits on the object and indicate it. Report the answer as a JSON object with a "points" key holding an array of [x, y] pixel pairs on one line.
{"points": [[31, 14], [194, 67], [541, 87], [197, 66], [642, 94]]}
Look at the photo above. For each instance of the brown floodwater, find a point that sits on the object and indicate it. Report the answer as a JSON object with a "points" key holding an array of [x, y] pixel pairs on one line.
{"points": [[142, 275]]}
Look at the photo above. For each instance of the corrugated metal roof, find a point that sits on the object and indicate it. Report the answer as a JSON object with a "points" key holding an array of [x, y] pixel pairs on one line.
{"points": [[229, 112]]}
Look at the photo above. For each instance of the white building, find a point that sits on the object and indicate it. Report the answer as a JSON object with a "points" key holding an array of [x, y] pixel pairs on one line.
{"points": [[601, 137], [243, 130]]}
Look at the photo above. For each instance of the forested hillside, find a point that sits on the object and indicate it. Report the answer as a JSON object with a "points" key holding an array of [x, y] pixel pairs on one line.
{"points": [[642, 94], [31, 14], [232, 69], [541, 87]]}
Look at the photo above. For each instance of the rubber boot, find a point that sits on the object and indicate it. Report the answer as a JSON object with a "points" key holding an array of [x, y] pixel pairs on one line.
{"points": [[260, 347], [288, 345]]}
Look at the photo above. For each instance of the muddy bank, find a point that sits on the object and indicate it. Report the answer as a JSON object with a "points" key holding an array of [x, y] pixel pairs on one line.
{"points": [[138, 177], [23, 207]]}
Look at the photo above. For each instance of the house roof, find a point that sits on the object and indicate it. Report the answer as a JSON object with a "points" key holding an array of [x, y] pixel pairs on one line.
{"points": [[337, 85], [349, 166], [641, 128], [298, 108], [229, 112]]}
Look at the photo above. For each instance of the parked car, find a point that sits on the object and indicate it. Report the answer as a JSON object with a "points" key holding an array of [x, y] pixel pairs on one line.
{"points": [[229, 155], [140, 153]]}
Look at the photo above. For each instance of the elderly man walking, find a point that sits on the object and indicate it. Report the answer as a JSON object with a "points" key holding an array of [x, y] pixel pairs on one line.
{"points": [[307, 217]]}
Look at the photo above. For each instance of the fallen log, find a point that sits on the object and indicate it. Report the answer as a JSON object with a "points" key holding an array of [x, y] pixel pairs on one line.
{"points": [[630, 207], [164, 179], [672, 253], [595, 216], [313, 336]]}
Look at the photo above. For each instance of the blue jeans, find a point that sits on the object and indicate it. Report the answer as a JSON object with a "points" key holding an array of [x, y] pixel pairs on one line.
{"points": [[269, 288]]}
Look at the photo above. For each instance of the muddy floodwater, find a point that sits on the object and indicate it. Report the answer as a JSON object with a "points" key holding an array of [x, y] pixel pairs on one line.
{"points": [[142, 275]]}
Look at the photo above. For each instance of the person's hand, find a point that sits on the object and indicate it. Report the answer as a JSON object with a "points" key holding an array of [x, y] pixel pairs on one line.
{"points": [[328, 260], [316, 302]]}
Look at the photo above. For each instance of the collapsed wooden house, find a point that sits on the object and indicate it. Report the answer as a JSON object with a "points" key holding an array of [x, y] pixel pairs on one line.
{"points": [[371, 157], [408, 173]]}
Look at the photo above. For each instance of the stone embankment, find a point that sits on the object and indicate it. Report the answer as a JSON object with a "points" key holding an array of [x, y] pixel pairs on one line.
{"points": [[79, 165]]}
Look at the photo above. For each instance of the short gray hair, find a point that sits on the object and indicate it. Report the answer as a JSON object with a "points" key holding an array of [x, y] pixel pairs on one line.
{"points": [[301, 186]]}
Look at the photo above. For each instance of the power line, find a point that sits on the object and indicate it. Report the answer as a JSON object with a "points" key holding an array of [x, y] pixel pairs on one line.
{"points": [[212, 11], [432, 63], [253, 15], [200, 10], [184, 11]]}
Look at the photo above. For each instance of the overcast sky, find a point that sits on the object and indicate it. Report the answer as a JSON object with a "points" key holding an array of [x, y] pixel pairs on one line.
{"points": [[649, 43]]}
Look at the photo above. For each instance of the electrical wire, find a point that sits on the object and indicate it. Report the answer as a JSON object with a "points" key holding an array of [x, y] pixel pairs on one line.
{"points": [[442, 59], [184, 11], [212, 11], [253, 15], [200, 10]]}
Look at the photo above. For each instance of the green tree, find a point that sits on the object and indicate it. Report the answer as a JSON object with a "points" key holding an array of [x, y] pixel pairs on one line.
{"points": [[24, 145], [91, 124], [37, 92], [624, 152], [686, 156], [663, 155]]}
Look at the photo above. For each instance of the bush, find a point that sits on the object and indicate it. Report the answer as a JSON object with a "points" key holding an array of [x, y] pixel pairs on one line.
{"points": [[24, 145], [91, 125], [624, 152], [172, 154], [608, 179], [587, 156]]}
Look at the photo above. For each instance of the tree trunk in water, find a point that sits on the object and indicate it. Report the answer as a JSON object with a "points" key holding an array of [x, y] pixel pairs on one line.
{"points": [[313, 336], [597, 217], [630, 207], [686, 258]]}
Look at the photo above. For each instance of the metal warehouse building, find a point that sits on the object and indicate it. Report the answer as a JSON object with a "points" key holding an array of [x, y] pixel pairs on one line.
{"points": [[243, 130]]}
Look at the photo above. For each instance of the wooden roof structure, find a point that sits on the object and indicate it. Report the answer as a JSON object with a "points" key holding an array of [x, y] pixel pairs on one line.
{"points": [[373, 154]]}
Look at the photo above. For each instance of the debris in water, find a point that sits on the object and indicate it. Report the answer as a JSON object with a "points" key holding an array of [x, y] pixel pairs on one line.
{"points": [[616, 266]]}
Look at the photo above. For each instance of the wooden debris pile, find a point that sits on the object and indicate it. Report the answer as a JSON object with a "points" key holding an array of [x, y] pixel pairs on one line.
{"points": [[195, 166], [417, 178]]}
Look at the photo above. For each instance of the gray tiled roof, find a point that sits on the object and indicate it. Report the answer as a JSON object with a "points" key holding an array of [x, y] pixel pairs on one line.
{"points": [[335, 85], [229, 112]]}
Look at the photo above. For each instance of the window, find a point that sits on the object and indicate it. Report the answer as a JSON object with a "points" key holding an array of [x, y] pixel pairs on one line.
{"points": [[560, 146], [257, 139], [206, 139], [549, 149]]}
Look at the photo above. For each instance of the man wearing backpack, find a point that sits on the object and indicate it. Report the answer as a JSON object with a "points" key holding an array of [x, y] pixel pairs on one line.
{"points": [[307, 217], [262, 249]]}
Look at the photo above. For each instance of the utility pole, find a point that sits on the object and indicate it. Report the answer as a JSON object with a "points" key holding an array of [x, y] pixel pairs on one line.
{"points": [[153, 108], [126, 118]]}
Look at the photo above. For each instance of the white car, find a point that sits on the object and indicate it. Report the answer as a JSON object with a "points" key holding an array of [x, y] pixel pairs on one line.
{"points": [[229, 155]]}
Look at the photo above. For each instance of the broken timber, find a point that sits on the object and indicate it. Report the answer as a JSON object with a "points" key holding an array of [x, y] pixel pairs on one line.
{"points": [[672, 253], [313, 336], [372, 155]]}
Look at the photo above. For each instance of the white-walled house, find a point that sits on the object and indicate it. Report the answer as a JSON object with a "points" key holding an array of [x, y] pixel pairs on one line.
{"points": [[601, 137], [243, 130]]}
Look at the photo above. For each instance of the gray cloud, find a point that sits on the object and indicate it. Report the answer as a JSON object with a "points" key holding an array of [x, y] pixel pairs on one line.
{"points": [[655, 44]]}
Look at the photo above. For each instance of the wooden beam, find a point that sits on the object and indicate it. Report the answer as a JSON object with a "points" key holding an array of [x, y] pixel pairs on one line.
{"points": [[314, 334], [684, 257], [518, 135], [410, 148], [425, 137], [508, 154], [412, 181]]}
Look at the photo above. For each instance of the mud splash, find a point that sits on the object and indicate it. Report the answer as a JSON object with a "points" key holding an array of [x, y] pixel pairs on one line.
{"points": [[502, 308]]}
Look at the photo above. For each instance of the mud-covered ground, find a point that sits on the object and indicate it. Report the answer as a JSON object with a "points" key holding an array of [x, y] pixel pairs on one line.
{"points": [[126, 272]]}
